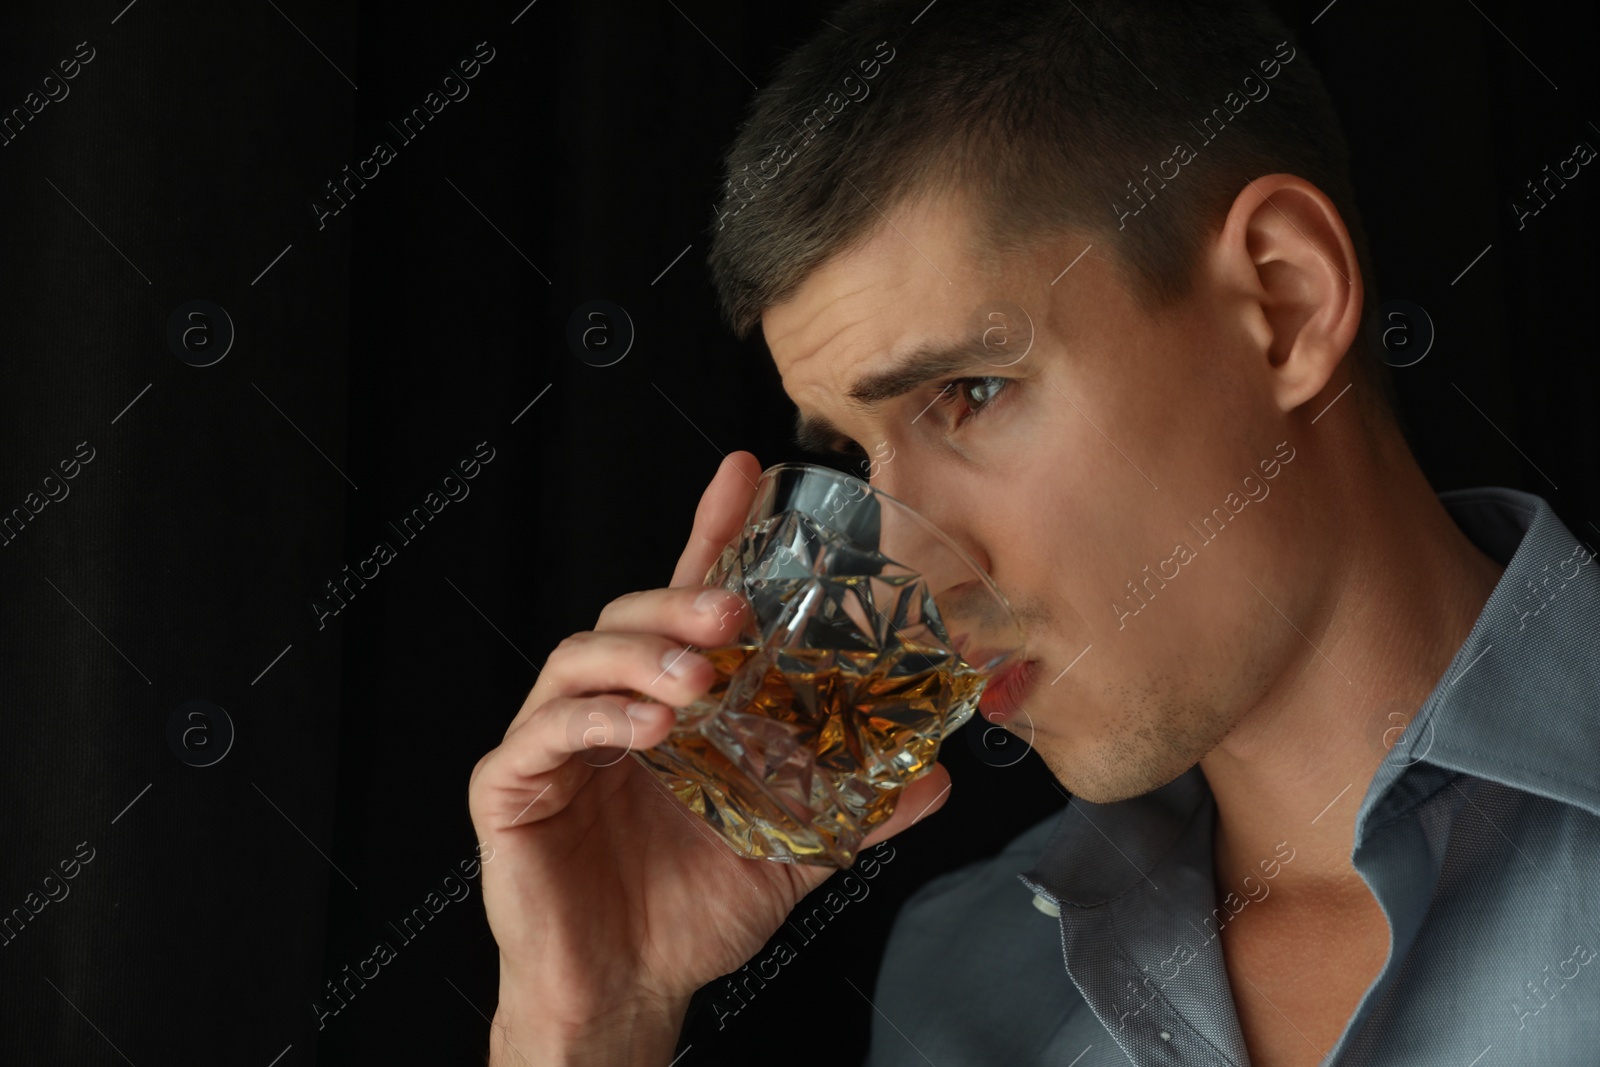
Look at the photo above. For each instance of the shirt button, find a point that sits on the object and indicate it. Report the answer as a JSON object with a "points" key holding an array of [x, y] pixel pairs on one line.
{"points": [[1165, 1036], [1044, 904]]}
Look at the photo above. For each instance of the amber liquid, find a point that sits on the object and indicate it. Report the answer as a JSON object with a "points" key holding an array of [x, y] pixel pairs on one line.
{"points": [[819, 748]]}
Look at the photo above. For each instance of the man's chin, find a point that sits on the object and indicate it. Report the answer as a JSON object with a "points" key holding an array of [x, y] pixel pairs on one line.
{"points": [[1123, 780]]}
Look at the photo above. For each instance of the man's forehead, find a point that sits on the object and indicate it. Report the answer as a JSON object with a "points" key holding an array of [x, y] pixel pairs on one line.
{"points": [[914, 303], [915, 259], [845, 307]]}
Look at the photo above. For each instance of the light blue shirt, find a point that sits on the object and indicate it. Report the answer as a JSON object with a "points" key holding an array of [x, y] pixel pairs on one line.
{"points": [[1479, 836]]}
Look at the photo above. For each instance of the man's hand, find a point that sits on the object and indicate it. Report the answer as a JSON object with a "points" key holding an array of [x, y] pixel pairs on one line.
{"points": [[610, 901]]}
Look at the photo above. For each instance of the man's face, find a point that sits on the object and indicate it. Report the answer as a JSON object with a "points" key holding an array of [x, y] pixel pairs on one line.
{"points": [[1075, 470]]}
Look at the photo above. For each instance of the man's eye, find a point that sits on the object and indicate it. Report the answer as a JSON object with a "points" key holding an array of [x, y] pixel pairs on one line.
{"points": [[975, 394]]}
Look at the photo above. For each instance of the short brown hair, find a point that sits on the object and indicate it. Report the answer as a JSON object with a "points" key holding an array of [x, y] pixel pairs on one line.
{"points": [[1055, 115]]}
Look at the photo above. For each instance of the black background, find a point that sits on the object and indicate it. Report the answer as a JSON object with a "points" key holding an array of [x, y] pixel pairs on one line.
{"points": [[381, 348]]}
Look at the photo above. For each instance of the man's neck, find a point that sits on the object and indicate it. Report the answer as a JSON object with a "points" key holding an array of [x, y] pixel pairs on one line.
{"points": [[1297, 766]]}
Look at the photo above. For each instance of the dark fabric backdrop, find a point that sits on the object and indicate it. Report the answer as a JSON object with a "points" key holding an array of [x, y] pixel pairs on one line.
{"points": [[378, 347]]}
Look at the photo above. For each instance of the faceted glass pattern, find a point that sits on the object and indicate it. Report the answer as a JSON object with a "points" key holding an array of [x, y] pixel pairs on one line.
{"points": [[836, 694]]}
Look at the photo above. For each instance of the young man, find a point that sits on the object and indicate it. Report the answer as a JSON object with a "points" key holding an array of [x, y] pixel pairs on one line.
{"points": [[1094, 272]]}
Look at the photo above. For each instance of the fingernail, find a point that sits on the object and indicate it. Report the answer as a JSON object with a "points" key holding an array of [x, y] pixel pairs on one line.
{"points": [[642, 713], [715, 601], [680, 662]]}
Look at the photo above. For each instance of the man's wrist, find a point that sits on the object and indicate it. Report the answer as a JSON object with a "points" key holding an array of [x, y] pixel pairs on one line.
{"points": [[640, 1033]]}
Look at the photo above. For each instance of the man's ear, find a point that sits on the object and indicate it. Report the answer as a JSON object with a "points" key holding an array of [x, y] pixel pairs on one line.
{"points": [[1286, 252]]}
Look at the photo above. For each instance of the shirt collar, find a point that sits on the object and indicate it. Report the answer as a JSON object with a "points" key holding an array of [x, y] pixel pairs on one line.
{"points": [[1519, 701]]}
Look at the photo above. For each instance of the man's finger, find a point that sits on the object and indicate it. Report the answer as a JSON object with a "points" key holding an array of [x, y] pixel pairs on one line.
{"points": [[596, 729]]}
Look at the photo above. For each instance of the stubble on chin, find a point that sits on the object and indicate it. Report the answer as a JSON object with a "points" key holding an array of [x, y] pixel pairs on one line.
{"points": [[1154, 738]]}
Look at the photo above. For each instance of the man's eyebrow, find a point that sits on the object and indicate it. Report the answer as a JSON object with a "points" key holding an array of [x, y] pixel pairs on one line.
{"points": [[926, 364]]}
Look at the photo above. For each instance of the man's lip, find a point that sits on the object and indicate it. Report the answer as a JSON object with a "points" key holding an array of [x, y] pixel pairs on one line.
{"points": [[1003, 695]]}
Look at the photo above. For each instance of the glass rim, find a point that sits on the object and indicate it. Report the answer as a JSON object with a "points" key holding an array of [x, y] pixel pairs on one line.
{"points": [[962, 554]]}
